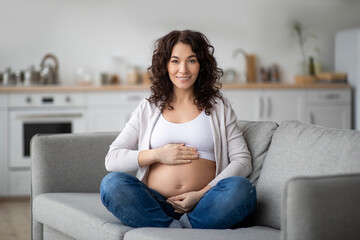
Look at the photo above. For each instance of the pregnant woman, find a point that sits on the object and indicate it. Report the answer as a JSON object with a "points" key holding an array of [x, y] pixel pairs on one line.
{"points": [[191, 158]]}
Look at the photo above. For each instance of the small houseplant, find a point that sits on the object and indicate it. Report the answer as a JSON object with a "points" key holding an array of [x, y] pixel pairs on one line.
{"points": [[302, 38]]}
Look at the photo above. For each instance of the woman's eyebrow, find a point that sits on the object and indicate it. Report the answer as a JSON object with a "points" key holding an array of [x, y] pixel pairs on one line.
{"points": [[191, 56]]}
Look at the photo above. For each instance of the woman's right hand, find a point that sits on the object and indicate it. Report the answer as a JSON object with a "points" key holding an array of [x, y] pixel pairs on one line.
{"points": [[173, 154]]}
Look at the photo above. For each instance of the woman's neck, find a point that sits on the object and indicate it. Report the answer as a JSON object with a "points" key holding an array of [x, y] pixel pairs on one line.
{"points": [[183, 96]]}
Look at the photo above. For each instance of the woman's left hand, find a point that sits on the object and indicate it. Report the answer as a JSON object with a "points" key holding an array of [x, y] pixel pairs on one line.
{"points": [[185, 202]]}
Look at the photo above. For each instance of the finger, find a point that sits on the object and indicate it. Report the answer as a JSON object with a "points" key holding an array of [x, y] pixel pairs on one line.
{"points": [[177, 198], [185, 148], [182, 146], [175, 206], [171, 202], [182, 210], [179, 208], [191, 156], [188, 153], [180, 205], [177, 211], [178, 162]]}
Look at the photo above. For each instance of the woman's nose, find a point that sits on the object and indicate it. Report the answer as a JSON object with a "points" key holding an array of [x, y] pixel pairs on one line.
{"points": [[183, 68]]}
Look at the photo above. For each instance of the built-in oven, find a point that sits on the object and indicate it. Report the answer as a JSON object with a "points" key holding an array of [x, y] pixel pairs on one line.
{"points": [[41, 113]]}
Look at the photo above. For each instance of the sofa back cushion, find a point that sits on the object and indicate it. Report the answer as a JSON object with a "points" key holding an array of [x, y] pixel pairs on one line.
{"points": [[68, 162], [300, 149], [258, 137]]}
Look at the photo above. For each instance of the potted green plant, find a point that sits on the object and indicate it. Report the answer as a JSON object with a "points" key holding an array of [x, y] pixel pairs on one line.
{"points": [[302, 37]]}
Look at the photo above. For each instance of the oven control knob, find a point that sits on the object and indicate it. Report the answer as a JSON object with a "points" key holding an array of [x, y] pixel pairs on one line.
{"points": [[28, 100], [68, 99]]}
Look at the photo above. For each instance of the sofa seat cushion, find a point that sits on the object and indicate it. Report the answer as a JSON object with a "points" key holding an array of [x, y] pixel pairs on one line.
{"points": [[258, 233], [298, 150], [52, 234], [78, 215]]}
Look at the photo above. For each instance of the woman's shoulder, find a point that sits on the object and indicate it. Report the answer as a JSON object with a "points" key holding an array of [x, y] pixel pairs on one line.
{"points": [[221, 103], [222, 109]]}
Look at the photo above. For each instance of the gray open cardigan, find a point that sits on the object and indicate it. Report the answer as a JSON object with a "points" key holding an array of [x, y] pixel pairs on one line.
{"points": [[232, 156]]}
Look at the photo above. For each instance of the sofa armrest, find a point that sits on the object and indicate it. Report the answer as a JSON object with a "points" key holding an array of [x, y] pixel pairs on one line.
{"points": [[68, 162], [322, 208]]}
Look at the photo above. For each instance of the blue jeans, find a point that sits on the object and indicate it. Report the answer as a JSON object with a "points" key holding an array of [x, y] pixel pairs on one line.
{"points": [[137, 205]]}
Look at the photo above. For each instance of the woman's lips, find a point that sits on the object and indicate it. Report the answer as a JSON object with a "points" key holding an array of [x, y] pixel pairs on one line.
{"points": [[183, 79]]}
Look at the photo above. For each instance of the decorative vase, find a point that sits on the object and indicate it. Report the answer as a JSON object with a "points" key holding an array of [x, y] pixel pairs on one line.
{"points": [[303, 68]]}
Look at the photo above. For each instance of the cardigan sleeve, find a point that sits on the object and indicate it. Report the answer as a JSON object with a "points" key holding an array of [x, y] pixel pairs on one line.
{"points": [[236, 161], [123, 152]]}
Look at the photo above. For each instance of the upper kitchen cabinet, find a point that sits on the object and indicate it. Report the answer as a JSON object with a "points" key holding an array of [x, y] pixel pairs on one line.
{"points": [[267, 105]]}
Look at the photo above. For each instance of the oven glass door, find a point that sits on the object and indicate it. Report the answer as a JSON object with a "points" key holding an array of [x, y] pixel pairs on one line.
{"points": [[25, 124], [32, 128]]}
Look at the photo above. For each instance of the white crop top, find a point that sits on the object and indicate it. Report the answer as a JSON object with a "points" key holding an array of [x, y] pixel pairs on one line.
{"points": [[197, 133]]}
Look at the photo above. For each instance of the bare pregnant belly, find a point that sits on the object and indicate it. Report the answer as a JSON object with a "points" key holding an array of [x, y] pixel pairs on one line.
{"points": [[172, 180]]}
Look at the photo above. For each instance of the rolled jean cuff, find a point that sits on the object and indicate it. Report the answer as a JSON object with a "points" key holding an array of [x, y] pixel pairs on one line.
{"points": [[175, 224], [185, 222]]}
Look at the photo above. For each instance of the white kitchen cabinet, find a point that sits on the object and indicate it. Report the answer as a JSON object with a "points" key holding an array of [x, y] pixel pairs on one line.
{"points": [[267, 105], [244, 102], [329, 108], [19, 183], [109, 112], [329, 116], [280, 105], [109, 119], [3, 145]]}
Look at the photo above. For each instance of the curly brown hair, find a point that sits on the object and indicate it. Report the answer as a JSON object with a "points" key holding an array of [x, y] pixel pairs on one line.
{"points": [[207, 84]]}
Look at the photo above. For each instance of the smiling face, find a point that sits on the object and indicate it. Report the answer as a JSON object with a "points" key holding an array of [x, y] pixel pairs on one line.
{"points": [[183, 67]]}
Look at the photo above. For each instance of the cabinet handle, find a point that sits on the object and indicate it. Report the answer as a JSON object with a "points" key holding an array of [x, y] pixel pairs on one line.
{"points": [[47, 100], [312, 119], [28, 99], [268, 107], [47, 116], [331, 96], [260, 107], [133, 98]]}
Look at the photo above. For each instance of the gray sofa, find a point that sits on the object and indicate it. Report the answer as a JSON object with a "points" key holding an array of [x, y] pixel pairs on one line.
{"points": [[307, 176]]}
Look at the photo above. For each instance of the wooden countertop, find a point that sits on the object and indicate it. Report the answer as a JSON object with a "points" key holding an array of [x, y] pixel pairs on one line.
{"points": [[92, 88]]}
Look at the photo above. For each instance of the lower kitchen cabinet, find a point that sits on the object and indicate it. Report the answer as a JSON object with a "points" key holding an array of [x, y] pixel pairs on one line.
{"points": [[267, 105], [325, 107], [3, 152], [329, 108], [280, 105], [107, 120], [329, 116], [19, 182], [246, 103], [109, 112]]}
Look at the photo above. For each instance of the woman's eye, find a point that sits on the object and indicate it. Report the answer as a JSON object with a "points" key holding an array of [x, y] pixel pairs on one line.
{"points": [[174, 61], [192, 61]]}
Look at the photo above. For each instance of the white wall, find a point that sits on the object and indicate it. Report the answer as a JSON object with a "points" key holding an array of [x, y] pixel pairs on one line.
{"points": [[89, 33]]}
